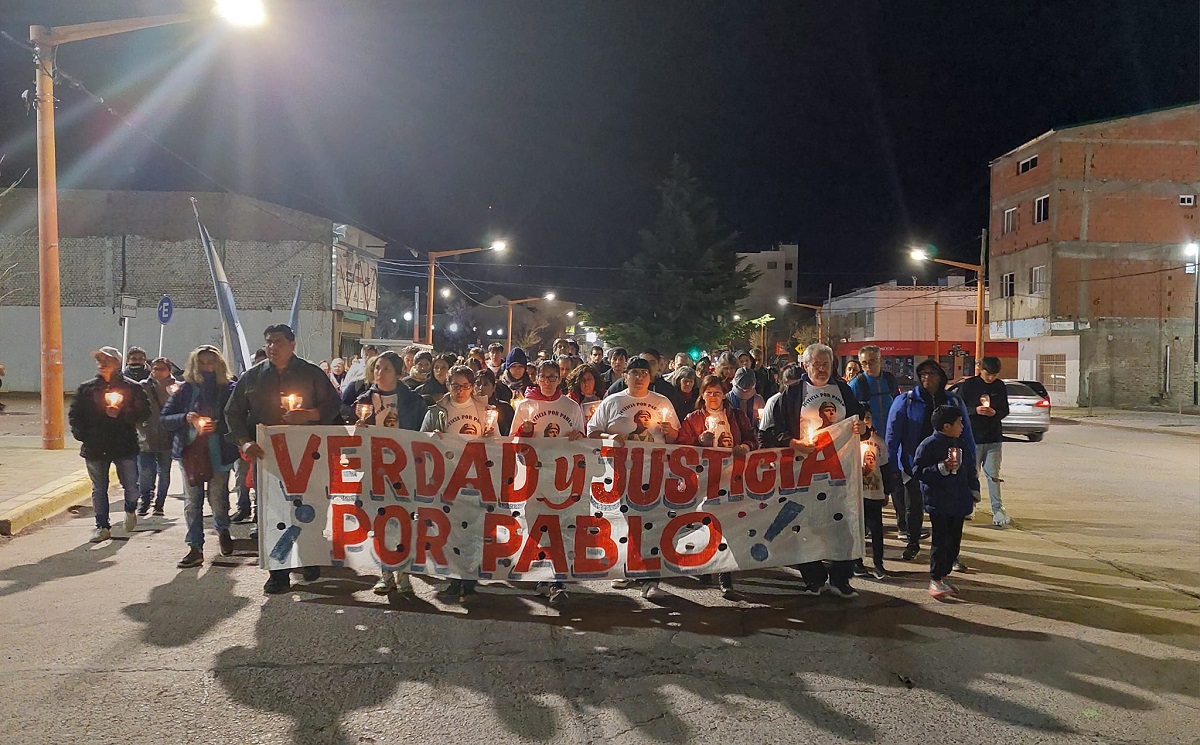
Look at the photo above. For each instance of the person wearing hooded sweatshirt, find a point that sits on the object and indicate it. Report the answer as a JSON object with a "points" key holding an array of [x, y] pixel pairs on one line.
{"points": [[462, 413], [818, 399], [389, 403], [909, 423], [516, 374], [547, 412], [743, 396]]}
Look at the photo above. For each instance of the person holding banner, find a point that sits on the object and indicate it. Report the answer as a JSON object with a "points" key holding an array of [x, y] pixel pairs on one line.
{"points": [[583, 386], [462, 413], [818, 400], [546, 412], [389, 403], [195, 415], [638, 412], [287, 390], [716, 423]]}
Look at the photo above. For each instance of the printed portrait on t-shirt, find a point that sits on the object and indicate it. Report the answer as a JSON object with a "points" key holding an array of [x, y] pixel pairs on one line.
{"points": [[468, 428], [828, 413], [552, 430], [870, 471], [641, 431], [725, 440]]}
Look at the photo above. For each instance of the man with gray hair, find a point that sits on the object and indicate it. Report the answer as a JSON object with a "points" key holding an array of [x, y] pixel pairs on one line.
{"points": [[818, 400]]}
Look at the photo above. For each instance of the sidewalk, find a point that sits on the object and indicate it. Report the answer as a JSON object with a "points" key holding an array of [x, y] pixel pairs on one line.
{"points": [[1163, 422], [35, 484]]}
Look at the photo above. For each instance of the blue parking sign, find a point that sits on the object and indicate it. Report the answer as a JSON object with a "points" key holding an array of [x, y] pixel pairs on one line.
{"points": [[165, 309]]}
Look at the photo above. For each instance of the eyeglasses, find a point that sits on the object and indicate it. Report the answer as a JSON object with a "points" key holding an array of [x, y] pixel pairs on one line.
{"points": [[461, 386]]}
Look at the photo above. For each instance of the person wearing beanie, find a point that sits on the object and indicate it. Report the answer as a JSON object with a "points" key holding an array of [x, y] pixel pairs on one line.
{"points": [[744, 397], [516, 373]]}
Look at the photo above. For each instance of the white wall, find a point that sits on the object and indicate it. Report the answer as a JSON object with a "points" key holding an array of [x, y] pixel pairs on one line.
{"points": [[85, 329], [1029, 349]]}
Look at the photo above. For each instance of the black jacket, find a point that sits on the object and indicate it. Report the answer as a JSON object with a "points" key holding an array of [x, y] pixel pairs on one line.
{"points": [[103, 437], [785, 412], [257, 397], [985, 428]]}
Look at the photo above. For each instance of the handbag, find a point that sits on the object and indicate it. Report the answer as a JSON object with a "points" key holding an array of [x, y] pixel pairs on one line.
{"points": [[196, 461]]}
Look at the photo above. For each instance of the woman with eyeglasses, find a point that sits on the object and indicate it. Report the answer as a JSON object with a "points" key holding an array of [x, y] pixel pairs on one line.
{"points": [[463, 413], [195, 413]]}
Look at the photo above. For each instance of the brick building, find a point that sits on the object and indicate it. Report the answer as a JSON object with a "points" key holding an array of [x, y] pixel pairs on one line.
{"points": [[1089, 226], [912, 323], [146, 245]]}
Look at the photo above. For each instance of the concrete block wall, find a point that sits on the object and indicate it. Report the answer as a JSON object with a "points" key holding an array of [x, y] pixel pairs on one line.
{"points": [[1123, 362]]}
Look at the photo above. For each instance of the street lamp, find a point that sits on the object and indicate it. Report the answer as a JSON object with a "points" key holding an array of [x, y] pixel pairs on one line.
{"points": [[784, 302], [46, 40], [917, 253], [1193, 250], [511, 303], [498, 246], [446, 292]]}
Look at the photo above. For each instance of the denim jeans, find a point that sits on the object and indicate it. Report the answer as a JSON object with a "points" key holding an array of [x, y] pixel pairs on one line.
{"points": [[947, 539], [217, 492], [243, 491], [127, 473], [988, 454], [151, 465], [914, 511]]}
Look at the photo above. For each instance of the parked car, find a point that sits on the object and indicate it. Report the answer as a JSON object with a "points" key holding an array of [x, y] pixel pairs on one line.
{"points": [[1028, 410]]}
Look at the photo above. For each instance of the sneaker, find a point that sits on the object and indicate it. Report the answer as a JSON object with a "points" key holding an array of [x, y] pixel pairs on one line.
{"points": [[813, 590], [254, 535], [952, 589], [960, 567], [651, 591], [467, 594], [939, 589], [451, 591], [159, 513], [624, 584], [925, 533], [726, 581], [860, 569], [194, 558], [903, 535], [543, 589], [239, 517], [130, 521], [910, 553], [1001, 519], [558, 597], [404, 584], [310, 574], [226, 542], [880, 574], [99, 535], [385, 585], [276, 585], [143, 510], [843, 591]]}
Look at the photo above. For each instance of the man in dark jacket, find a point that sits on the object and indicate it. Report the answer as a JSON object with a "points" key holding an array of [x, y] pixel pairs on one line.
{"points": [[154, 441], [104, 418], [986, 398], [909, 423], [135, 365], [258, 399], [658, 384], [800, 406]]}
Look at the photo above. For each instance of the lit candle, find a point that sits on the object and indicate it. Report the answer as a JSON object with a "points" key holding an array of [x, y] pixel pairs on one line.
{"points": [[363, 411], [985, 401], [173, 388], [810, 432], [665, 413], [710, 423], [113, 399], [866, 448], [291, 402], [491, 418], [201, 423]]}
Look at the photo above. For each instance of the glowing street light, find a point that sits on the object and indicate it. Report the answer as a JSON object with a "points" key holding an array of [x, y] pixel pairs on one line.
{"points": [[497, 246], [549, 295], [46, 40], [916, 253], [408, 315], [445, 292], [784, 302]]}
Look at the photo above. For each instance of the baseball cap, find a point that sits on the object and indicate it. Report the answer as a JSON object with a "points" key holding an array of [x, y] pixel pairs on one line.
{"points": [[107, 352], [637, 363]]}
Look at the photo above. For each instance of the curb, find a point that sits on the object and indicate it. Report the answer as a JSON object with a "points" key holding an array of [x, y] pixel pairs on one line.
{"points": [[46, 502], [1154, 430]]}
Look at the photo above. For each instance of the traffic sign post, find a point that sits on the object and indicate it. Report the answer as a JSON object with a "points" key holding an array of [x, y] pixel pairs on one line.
{"points": [[128, 310], [165, 310]]}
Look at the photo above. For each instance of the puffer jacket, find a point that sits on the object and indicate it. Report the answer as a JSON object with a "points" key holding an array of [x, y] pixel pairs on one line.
{"points": [[908, 421], [103, 437]]}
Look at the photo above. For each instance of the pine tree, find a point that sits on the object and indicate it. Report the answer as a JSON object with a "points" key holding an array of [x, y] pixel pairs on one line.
{"points": [[684, 285]]}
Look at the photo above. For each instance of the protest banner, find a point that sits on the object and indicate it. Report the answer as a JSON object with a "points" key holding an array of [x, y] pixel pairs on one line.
{"points": [[548, 508]]}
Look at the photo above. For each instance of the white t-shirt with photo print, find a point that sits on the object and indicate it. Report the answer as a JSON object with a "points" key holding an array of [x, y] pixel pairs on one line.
{"points": [[557, 418], [637, 419]]}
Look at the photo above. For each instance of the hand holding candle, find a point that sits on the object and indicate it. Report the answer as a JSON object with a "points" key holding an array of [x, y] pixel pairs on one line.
{"points": [[112, 399], [363, 412], [204, 425], [665, 412], [710, 423], [291, 402], [810, 432], [492, 415]]}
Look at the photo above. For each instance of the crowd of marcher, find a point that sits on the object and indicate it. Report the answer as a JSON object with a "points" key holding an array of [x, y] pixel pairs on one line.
{"points": [[919, 448]]}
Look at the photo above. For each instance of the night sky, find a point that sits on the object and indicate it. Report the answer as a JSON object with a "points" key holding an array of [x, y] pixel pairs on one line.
{"points": [[847, 127]]}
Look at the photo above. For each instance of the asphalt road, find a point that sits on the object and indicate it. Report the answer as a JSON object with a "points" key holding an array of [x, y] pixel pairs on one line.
{"points": [[1078, 625]]}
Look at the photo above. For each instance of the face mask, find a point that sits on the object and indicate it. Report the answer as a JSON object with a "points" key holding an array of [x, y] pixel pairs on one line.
{"points": [[210, 377]]}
